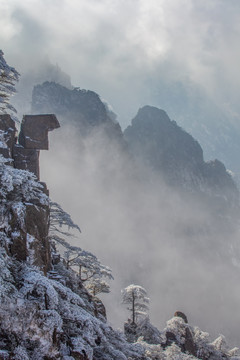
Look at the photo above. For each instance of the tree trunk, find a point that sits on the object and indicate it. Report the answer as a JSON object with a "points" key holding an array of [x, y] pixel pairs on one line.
{"points": [[133, 307]]}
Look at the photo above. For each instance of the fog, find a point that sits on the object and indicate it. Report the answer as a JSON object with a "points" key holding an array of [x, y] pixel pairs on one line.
{"points": [[147, 232], [172, 54]]}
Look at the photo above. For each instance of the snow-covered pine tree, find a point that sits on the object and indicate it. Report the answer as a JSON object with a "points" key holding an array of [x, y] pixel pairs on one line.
{"points": [[136, 297], [89, 269], [8, 77], [97, 285]]}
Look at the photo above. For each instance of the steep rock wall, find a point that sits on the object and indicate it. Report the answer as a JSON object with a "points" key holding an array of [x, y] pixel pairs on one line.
{"points": [[29, 237]]}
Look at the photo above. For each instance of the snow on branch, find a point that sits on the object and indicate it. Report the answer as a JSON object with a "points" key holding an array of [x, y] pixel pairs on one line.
{"points": [[60, 218], [8, 77], [136, 297]]}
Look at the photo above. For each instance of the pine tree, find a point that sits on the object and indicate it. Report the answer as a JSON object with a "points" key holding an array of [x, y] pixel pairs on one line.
{"points": [[136, 297], [8, 77]]}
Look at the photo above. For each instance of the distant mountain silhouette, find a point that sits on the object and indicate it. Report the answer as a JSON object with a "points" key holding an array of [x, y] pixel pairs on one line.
{"points": [[82, 108], [166, 148]]}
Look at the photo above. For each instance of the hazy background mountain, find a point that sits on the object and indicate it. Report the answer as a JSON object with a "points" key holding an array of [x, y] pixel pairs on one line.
{"points": [[181, 56]]}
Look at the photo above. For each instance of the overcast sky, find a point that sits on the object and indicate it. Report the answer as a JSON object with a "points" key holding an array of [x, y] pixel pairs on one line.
{"points": [[125, 49]]}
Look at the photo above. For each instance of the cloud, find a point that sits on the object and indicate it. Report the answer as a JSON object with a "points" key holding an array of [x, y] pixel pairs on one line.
{"points": [[113, 47], [146, 232]]}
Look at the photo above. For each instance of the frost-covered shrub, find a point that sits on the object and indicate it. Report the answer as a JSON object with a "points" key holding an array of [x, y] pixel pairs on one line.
{"points": [[37, 286], [17, 189], [19, 185], [20, 353], [177, 326], [153, 352], [173, 352]]}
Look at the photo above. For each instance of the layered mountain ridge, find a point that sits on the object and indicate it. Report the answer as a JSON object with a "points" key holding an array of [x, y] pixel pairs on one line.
{"points": [[83, 108], [153, 140]]}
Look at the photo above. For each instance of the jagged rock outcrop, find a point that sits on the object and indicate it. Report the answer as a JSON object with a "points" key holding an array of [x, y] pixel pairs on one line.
{"points": [[34, 131], [32, 138], [185, 341], [181, 315], [82, 108]]}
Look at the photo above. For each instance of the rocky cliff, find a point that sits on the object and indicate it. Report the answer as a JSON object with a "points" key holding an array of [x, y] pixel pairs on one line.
{"points": [[25, 209]]}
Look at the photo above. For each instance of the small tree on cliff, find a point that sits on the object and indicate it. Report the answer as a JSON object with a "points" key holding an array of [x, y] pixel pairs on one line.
{"points": [[58, 219], [8, 77], [89, 269], [98, 285], [136, 297], [87, 266]]}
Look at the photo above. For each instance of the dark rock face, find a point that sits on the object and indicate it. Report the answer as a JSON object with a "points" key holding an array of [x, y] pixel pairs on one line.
{"points": [[18, 247], [34, 131], [30, 237], [181, 315], [189, 345], [37, 225], [26, 159], [32, 138], [7, 125], [8, 129]]}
